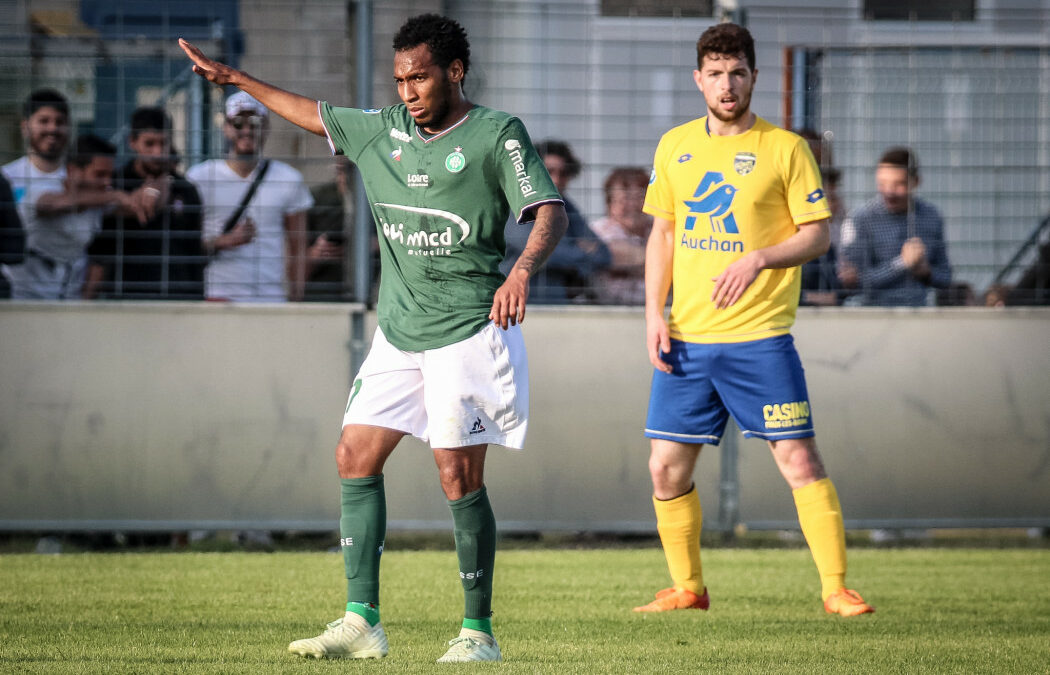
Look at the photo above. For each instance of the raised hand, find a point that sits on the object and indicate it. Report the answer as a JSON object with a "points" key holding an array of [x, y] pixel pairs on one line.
{"points": [[211, 70]]}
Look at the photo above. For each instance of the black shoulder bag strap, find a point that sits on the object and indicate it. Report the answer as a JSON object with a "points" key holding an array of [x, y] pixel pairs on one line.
{"points": [[232, 221]]}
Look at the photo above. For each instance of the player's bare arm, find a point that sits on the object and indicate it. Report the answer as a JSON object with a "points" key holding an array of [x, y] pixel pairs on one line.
{"points": [[299, 110], [508, 305], [659, 254], [811, 241]]}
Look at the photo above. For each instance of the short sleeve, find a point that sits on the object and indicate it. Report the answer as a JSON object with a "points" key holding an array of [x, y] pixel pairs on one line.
{"points": [[806, 199], [349, 129], [300, 198], [659, 198], [521, 171]]}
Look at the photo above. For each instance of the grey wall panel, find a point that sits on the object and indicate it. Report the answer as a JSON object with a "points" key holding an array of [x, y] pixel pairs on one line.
{"points": [[158, 416]]}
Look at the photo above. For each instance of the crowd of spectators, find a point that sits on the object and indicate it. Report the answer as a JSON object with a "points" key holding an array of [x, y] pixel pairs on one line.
{"points": [[244, 227]]}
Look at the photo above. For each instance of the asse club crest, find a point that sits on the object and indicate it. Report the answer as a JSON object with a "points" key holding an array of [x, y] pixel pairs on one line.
{"points": [[455, 161], [744, 163]]}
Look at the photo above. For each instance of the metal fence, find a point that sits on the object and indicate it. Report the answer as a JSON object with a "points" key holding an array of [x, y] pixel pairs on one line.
{"points": [[969, 92]]}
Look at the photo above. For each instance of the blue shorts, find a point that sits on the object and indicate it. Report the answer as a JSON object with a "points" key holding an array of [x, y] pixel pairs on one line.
{"points": [[760, 383]]}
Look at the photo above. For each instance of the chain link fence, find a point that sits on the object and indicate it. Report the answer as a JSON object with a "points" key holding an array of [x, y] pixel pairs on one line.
{"points": [[965, 85]]}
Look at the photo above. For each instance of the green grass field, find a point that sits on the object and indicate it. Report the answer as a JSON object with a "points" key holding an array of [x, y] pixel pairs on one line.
{"points": [[556, 611]]}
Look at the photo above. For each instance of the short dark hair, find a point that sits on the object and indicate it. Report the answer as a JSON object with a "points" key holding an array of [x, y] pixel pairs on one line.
{"points": [[725, 38], [560, 149], [830, 175], [901, 157], [88, 147], [45, 98], [628, 176], [445, 38], [149, 118]]}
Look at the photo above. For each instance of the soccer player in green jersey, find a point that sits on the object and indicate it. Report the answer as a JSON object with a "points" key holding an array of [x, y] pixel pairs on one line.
{"points": [[447, 363]]}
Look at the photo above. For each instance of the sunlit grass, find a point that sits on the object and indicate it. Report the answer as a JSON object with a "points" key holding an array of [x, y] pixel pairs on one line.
{"points": [[556, 611]]}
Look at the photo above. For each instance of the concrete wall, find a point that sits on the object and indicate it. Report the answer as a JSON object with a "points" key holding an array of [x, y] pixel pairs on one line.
{"points": [[172, 416]]}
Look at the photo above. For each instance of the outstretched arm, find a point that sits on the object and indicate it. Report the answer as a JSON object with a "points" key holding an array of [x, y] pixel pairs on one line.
{"points": [[508, 305], [298, 110]]}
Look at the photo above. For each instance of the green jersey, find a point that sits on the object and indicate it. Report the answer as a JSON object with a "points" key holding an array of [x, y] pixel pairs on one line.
{"points": [[440, 205]]}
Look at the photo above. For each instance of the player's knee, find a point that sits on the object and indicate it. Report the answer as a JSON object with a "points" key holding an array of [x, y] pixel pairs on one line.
{"points": [[456, 482], [353, 461], [799, 462], [343, 457], [667, 478]]}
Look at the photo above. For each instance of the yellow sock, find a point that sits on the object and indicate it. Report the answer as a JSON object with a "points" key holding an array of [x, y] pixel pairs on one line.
{"points": [[679, 521], [820, 516]]}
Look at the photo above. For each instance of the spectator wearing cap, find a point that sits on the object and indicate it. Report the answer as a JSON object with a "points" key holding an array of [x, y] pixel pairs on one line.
{"points": [[893, 248], [255, 211]]}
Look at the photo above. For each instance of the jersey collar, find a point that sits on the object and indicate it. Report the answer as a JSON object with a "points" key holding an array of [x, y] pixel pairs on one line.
{"points": [[427, 139]]}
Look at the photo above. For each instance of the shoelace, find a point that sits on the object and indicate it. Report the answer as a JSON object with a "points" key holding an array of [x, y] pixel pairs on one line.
{"points": [[471, 643]]}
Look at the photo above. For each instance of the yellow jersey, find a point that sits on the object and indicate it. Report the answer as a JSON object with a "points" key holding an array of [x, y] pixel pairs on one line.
{"points": [[728, 195]]}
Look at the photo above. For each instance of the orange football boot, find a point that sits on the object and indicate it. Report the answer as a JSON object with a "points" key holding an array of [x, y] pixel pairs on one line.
{"points": [[676, 598], [847, 603]]}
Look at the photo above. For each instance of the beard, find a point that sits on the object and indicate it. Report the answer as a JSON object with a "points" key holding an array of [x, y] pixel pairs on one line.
{"points": [[154, 167], [896, 204], [743, 107], [244, 154], [48, 147]]}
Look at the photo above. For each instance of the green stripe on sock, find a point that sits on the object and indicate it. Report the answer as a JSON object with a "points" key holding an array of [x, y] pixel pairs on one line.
{"points": [[483, 625]]}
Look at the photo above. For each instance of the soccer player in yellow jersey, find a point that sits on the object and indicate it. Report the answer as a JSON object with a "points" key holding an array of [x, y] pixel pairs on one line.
{"points": [[738, 207]]}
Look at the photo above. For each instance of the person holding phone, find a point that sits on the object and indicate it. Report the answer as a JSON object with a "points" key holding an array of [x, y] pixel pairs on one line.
{"points": [[326, 222]]}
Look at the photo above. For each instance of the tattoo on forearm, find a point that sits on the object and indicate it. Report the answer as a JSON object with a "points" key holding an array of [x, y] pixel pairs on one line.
{"points": [[546, 233]]}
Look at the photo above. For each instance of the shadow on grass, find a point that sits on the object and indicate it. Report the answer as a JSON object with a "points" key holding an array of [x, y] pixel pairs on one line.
{"points": [[288, 541]]}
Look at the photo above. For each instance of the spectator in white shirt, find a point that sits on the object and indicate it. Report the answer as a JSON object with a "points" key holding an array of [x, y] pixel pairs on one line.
{"points": [[261, 257]]}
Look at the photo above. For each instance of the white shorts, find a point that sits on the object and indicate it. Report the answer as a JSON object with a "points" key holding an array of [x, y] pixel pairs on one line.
{"points": [[467, 393]]}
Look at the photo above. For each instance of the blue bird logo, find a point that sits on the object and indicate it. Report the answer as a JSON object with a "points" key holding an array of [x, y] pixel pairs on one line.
{"points": [[714, 203]]}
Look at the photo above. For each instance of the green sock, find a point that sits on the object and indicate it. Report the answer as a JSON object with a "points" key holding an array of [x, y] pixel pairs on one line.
{"points": [[475, 530], [362, 527]]}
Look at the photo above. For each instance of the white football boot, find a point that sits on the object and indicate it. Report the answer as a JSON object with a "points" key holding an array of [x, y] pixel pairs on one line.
{"points": [[471, 645], [347, 638]]}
